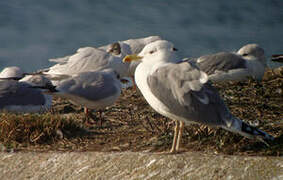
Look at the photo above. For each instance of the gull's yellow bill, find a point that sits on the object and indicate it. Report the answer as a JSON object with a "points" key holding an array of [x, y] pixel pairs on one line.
{"points": [[132, 57]]}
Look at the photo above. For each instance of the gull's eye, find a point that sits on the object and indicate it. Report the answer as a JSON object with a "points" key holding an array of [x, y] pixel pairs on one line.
{"points": [[174, 49], [151, 52], [245, 54]]}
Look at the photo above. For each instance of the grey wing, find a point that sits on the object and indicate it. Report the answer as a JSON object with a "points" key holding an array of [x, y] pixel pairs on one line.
{"points": [[15, 93], [7, 86], [87, 59], [90, 85], [223, 61], [63, 60], [185, 92]]}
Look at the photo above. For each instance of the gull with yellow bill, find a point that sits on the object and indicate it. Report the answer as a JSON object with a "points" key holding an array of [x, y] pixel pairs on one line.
{"points": [[180, 91]]}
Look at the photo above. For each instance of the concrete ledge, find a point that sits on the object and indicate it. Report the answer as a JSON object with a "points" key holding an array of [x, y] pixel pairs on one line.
{"points": [[131, 165]]}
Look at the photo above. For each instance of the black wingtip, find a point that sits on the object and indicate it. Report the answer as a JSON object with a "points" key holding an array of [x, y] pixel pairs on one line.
{"points": [[51, 88], [255, 132]]}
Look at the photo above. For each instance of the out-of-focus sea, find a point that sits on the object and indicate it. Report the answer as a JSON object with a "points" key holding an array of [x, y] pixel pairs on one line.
{"points": [[32, 31]]}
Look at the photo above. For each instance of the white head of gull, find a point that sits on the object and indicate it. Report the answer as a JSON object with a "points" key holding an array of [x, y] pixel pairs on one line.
{"points": [[180, 91], [12, 72]]}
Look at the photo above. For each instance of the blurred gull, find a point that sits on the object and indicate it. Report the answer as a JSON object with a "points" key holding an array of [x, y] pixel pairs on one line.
{"points": [[249, 61], [180, 91], [93, 90], [24, 96]]}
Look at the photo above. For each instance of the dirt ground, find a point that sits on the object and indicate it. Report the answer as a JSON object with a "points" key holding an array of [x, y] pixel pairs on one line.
{"points": [[132, 125]]}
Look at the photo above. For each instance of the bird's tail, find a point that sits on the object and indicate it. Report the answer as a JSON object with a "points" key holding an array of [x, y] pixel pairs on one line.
{"points": [[251, 132], [277, 58]]}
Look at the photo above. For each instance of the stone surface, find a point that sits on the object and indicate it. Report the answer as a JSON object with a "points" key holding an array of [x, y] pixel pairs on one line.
{"points": [[130, 165]]}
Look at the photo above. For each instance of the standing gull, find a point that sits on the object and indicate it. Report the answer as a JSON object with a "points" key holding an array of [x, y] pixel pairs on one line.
{"points": [[249, 61], [24, 96], [93, 90], [182, 92]]}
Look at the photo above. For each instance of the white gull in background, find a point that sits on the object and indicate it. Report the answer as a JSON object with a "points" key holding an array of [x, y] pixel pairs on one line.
{"points": [[24, 96], [86, 59], [249, 61], [93, 59], [180, 91], [93, 90]]}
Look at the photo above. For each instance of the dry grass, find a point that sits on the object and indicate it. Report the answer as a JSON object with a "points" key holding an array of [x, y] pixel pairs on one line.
{"points": [[130, 124]]}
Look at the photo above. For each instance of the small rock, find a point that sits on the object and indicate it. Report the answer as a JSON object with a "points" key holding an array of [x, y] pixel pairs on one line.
{"points": [[278, 71], [59, 133], [279, 91]]}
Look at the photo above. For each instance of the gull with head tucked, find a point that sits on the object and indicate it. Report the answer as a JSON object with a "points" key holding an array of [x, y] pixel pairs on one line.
{"points": [[24, 95], [249, 61], [182, 92]]}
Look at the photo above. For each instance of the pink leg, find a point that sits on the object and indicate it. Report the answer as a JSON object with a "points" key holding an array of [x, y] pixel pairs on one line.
{"points": [[176, 133]]}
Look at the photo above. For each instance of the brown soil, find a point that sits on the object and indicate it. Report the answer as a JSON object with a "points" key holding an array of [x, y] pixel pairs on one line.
{"points": [[132, 125]]}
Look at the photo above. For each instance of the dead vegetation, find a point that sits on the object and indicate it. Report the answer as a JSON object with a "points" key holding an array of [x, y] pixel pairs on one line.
{"points": [[131, 125]]}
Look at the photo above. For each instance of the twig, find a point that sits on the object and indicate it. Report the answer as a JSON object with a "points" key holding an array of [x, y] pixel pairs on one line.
{"points": [[157, 127], [35, 139], [149, 124], [117, 121]]}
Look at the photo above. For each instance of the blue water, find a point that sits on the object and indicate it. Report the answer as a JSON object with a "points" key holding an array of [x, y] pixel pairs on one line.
{"points": [[32, 31]]}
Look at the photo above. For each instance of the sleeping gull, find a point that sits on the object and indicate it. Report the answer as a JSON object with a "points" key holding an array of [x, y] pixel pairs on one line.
{"points": [[23, 96], [93, 90], [180, 91], [12, 72], [249, 61]]}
